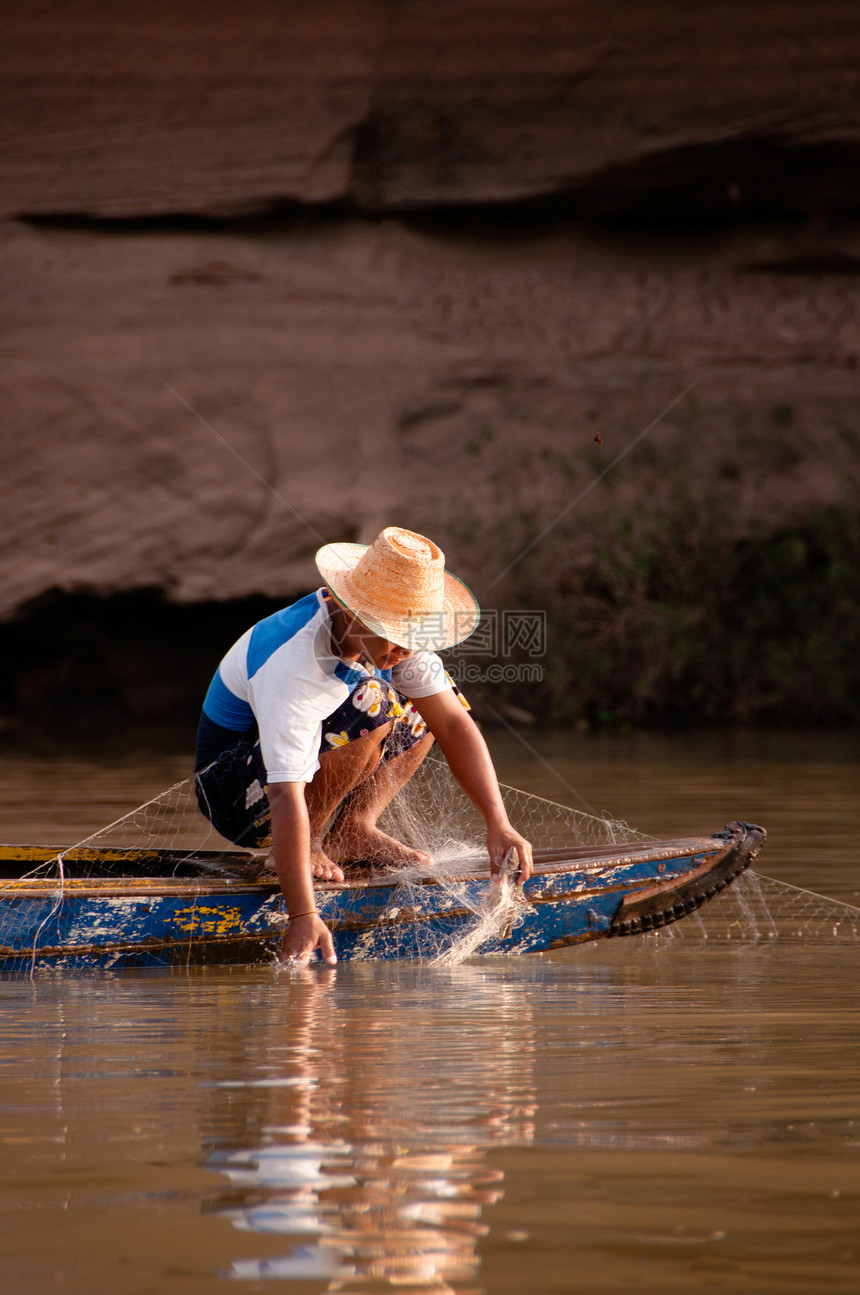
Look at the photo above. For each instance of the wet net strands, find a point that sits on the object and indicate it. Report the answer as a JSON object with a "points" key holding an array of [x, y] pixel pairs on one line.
{"points": [[434, 815], [758, 909]]}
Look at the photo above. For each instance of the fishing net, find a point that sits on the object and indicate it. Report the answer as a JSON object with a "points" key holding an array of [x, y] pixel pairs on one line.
{"points": [[168, 836], [433, 814], [758, 909]]}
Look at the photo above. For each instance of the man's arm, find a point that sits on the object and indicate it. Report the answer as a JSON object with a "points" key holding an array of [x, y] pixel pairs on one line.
{"points": [[291, 847], [464, 748]]}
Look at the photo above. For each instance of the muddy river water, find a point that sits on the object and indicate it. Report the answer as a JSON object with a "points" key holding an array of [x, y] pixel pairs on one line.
{"points": [[678, 1112]]}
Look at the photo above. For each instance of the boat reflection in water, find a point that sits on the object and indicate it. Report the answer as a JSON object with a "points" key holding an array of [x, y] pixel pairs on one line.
{"points": [[371, 1181]]}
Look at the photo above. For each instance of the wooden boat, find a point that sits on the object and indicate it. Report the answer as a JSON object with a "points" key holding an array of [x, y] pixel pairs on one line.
{"points": [[137, 907]]}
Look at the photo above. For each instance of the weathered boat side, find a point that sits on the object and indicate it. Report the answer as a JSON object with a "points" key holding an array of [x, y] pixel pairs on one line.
{"points": [[218, 908]]}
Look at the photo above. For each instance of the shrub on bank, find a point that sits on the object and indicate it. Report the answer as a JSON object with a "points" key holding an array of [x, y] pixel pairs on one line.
{"points": [[671, 620]]}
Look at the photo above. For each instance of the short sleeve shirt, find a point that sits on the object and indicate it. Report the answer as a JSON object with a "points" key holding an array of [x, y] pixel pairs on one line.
{"points": [[283, 675]]}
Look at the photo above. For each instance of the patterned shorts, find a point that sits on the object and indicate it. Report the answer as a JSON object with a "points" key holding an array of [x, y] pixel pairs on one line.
{"points": [[231, 777]]}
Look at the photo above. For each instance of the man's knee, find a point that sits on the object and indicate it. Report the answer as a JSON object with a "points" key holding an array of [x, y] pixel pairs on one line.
{"points": [[381, 732], [359, 748]]}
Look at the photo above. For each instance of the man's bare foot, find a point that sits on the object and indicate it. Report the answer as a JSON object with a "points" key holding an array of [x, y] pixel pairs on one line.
{"points": [[351, 841], [322, 866]]}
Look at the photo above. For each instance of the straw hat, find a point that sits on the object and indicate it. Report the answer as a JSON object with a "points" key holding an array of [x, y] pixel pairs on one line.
{"points": [[398, 587]]}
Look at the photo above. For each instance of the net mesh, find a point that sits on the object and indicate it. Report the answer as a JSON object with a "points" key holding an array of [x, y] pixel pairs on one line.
{"points": [[758, 908], [430, 813], [434, 815]]}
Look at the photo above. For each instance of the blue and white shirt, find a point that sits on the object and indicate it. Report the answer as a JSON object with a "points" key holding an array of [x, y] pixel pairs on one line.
{"points": [[283, 674]]}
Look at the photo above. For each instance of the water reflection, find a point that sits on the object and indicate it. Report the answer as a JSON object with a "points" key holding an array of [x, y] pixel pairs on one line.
{"points": [[376, 1182], [690, 1114]]}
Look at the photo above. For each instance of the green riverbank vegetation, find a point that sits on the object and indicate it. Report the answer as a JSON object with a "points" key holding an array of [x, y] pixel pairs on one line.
{"points": [[669, 620]]}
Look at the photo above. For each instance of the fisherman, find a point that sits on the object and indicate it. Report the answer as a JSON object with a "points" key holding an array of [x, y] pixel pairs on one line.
{"points": [[328, 707]]}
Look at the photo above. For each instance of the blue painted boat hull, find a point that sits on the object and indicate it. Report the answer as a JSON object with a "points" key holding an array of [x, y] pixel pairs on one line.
{"points": [[133, 917]]}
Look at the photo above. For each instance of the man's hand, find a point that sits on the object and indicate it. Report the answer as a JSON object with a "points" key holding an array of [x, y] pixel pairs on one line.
{"points": [[500, 840], [291, 851], [304, 935]]}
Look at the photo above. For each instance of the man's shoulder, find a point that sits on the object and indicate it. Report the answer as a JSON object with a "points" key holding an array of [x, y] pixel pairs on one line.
{"points": [[283, 627]]}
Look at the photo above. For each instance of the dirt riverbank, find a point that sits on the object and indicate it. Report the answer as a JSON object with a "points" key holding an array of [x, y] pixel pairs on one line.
{"points": [[578, 298]]}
